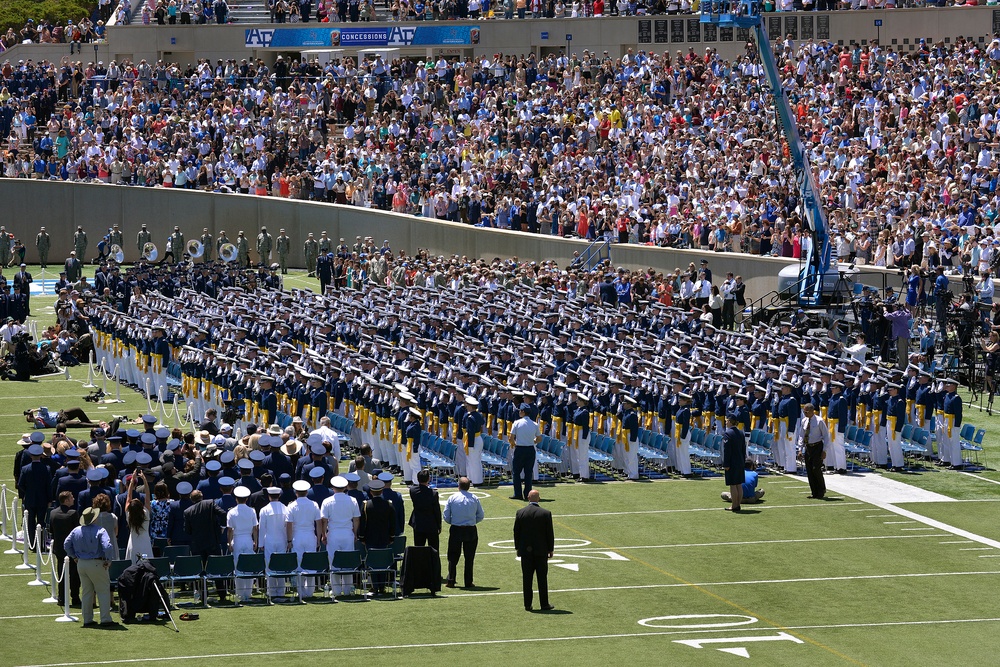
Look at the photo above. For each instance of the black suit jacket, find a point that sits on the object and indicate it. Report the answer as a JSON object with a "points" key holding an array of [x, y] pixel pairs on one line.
{"points": [[378, 523], [533, 534], [203, 522], [22, 282], [62, 521], [426, 514]]}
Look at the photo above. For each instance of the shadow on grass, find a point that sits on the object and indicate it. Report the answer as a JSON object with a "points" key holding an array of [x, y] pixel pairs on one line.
{"points": [[552, 612]]}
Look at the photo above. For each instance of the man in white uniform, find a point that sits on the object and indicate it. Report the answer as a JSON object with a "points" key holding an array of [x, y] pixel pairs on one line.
{"points": [[274, 536], [303, 523], [241, 522], [341, 519]]}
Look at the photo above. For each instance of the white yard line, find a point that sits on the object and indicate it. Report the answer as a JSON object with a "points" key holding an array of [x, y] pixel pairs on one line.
{"points": [[494, 642], [693, 509], [510, 552], [757, 582], [979, 477]]}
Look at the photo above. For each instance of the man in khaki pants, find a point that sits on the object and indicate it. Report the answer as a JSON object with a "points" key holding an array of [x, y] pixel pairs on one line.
{"points": [[90, 546]]}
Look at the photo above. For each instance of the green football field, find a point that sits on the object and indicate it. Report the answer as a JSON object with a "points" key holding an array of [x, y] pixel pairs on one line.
{"points": [[647, 573]]}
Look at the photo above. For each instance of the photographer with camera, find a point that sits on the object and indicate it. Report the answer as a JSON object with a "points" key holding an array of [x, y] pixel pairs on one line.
{"points": [[942, 301], [992, 349]]}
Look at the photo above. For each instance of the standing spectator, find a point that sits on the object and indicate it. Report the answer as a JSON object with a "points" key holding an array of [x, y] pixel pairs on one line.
{"points": [[90, 546], [524, 435], [425, 515], [899, 318], [462, 512], [62, 520], [80, 243], [534, 541]]}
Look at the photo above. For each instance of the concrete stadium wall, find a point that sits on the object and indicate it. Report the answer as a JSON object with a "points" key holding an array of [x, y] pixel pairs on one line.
{"points": [[901, 29], [60, 207]]}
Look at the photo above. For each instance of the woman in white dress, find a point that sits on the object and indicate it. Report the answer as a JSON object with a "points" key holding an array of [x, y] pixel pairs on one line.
{"points": [[137, 513]]}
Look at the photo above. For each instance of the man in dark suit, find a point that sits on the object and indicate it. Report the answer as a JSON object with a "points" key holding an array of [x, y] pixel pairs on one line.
{"points": [[23, 280], [73, 267], [378, 526], [425, 517], [62, 520], [733, 455], [534, 540], [203, 521]]}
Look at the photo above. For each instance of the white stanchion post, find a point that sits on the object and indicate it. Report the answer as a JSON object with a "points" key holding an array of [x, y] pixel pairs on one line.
{"points": [[177, 415], [38, 581], [90, 372], [54, 570], [25, 543], [14, 535], [3, 514], [66, 618], [118, 385], [104, 378], [66, 372]]}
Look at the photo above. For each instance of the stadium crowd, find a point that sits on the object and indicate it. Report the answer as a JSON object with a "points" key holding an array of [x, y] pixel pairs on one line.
{"points": [[646, 148]]}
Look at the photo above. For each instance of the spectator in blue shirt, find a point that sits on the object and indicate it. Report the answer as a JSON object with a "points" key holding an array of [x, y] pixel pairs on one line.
{"points": [[90, 546], [751, 494]]}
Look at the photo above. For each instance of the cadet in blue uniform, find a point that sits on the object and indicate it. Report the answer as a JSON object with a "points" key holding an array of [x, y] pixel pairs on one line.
{"points": [[784, 440], [411, 443], [682, 434], [895, 417], [472, 430], [630, 428], [733, 455], [34, 485], [580, 449], [837, 417], [951, 423]]}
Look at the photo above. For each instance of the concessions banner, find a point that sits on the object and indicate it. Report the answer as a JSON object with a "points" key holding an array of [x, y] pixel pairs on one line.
{"points": [[394, 36]]}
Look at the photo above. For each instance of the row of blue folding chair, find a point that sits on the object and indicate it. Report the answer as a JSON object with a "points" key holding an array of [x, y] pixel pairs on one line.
{"points": [[495, 452], [550, 451], [340, 423], [438, 452], [602, 448]]}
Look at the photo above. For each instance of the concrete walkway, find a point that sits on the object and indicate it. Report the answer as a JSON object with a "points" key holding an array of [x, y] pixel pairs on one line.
{"points": [[875, 488]]}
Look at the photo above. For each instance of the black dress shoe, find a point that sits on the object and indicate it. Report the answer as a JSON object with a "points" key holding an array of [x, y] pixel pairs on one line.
{"points": [[90, 624], [516, 498], [815, 497], [450, 584], [528, 609], [547, 607]]}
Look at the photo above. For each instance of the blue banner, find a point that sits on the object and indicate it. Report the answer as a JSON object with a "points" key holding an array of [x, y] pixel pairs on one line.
{"points": [[393, 36]]}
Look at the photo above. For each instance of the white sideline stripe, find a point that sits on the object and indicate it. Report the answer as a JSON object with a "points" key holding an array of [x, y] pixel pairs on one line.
{"points": [[694, 509], [878, 516], [957, 542], [523, 640], [994, 556], [918, 528], [14, 618], [940, 525], [889, 523], [979, 477], [18, 574], [977, 549], [510, 552], [757, 582]]}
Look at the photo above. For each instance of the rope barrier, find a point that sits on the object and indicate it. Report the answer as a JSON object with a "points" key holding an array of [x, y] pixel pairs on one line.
{"points": [[38, 581], [178, 420], [104, 377], [66, 618], [163, 408], [15, 537], [56, 579], [118, 385], [149, 402], [25, 545]]}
